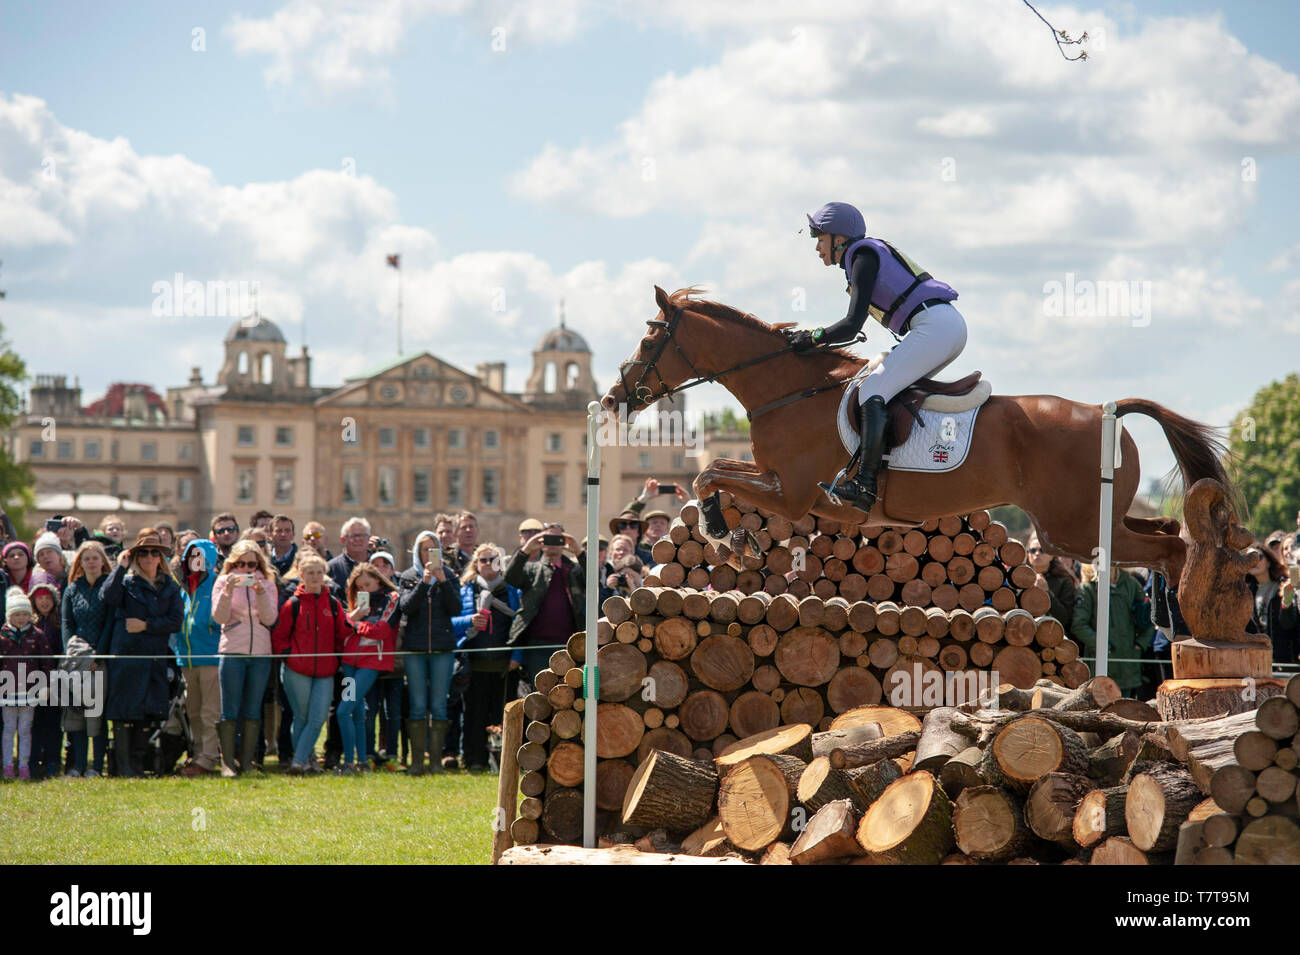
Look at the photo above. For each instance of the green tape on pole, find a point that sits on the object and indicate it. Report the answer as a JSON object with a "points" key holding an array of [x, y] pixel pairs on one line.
{"points": [[590, 682]]}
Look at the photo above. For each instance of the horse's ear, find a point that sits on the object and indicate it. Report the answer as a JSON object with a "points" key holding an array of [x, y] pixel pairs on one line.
{"points": [[661, 299]]}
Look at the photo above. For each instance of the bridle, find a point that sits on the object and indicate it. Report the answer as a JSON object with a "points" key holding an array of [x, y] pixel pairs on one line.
{"points": [[642, 392]]}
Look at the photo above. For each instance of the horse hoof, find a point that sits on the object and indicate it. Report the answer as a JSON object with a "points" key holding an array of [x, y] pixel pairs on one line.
{"points": [[742, 545], [735, 547]]}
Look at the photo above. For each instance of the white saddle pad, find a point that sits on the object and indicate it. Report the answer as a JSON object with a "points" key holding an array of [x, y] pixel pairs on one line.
{"points": [[940, 441]]}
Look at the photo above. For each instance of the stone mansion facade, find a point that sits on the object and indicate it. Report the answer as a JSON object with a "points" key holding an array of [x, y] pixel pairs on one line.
{"points": [[396, 444]]}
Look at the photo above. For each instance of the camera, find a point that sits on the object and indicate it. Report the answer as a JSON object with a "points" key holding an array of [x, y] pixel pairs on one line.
{"points": [[54, 524], [667, 488], [621, 580], [380, 544], [553, 540]]}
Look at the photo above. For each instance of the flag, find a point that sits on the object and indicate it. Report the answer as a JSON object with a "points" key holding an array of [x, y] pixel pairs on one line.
{"points": [[395, 261]]}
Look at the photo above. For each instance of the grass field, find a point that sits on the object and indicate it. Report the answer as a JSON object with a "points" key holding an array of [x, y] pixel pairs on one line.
{"points": [[379, 817]]}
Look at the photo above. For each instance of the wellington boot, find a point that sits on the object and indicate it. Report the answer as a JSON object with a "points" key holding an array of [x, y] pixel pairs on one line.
{"points": [[417, 731], [122, 750], [436, 742], [226, 742], [248, 746]]}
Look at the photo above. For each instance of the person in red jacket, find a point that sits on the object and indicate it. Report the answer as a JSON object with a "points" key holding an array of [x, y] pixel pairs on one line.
{"points": [[313, 628], [367, 653]]}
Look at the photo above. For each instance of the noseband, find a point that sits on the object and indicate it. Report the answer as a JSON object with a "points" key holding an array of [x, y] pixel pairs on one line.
{"points": [[641, 390]]}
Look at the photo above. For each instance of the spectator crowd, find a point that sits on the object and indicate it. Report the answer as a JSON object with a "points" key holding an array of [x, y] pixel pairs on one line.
{"points": [[248, 643]]}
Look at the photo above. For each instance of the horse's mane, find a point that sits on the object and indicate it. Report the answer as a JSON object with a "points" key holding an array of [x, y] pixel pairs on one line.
{"points": [[689, 298]]}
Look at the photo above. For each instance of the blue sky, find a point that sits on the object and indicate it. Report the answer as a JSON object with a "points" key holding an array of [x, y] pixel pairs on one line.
{"points": [[523, 169]]}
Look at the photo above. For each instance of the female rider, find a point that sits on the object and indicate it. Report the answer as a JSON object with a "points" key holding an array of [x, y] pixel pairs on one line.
{"points": [[914, 306]]}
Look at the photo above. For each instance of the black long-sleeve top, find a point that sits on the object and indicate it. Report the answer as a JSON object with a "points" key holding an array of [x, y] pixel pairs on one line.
{"points": [[862, 282]]}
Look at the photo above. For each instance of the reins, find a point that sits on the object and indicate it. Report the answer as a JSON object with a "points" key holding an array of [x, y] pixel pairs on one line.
{"points": [[645, 396]]}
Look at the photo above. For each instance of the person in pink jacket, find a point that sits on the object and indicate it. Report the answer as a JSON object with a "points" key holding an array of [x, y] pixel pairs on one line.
{"points": [[244, 603], [367, 653]]}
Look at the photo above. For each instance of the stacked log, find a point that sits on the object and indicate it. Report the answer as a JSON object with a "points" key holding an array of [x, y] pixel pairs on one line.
{"points": [[1249, 766], [703, 655], [924, 574]]}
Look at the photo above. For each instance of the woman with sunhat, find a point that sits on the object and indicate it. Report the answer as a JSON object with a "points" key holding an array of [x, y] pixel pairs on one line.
{"points": [[630, 523], [147, 607]]}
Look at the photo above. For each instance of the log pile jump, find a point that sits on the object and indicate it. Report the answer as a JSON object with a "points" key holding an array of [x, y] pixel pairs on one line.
{"points": [[747, 716], [691, 671]]}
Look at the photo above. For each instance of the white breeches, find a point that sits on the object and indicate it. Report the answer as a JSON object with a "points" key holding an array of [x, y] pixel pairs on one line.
{"points": [[936, 337]]}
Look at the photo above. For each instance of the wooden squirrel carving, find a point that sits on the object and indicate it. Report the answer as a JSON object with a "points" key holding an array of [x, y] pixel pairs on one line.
{"points": [[1212, 592]]}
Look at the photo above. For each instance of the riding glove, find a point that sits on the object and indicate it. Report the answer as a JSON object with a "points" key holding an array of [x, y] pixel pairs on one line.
{"points": [[801, 339]]}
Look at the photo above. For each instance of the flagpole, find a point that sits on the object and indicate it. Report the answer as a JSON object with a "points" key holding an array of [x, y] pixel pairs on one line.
{"points": [[399, 311]]}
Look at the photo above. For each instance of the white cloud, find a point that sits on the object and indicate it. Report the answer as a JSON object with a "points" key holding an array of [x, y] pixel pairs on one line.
{"points": [[1286, 260], [113, 223], [957, 124], [342, 46]]}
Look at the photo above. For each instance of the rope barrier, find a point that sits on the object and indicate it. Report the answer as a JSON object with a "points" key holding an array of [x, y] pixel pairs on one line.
{"points": [[96, 657]]}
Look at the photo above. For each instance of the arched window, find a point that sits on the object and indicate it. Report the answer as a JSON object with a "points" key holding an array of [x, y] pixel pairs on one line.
{"points": [[241, 366], [548, 379], [265, 376], [571, 374]]}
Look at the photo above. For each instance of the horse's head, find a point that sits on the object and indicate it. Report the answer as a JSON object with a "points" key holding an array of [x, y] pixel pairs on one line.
{"points": [[660, 362]]}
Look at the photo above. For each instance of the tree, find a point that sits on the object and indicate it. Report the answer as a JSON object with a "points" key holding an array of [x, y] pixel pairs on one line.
{"points": [[1017, 521], [726, 422], [1266, 456], [17, 492]]}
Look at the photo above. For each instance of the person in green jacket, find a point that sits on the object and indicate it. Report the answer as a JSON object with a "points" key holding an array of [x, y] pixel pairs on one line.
{"points": [[1131, 631]]}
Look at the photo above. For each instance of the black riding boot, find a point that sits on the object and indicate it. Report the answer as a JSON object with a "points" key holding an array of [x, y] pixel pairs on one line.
{"points": [[860, 492]]}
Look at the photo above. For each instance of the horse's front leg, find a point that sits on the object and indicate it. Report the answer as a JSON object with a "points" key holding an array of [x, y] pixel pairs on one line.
{"points": [[750, 483]]}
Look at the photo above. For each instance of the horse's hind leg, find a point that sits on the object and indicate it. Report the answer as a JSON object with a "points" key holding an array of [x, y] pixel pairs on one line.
{"points": [[1152, 525], [1165, 553]]}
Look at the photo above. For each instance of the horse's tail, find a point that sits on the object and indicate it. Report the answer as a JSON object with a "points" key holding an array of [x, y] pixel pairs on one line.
{"points": [[1198, 448]]}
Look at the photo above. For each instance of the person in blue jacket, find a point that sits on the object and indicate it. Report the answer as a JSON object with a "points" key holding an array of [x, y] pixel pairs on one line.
{"points": [[196, 654], [488, 605]]}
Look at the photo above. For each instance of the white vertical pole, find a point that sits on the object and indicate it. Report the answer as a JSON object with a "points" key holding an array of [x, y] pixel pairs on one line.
{"points": [[1108, 450], [590, 671]]}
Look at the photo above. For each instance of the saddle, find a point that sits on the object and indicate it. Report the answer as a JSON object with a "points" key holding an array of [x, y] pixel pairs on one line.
{"points": [[902, 410]]}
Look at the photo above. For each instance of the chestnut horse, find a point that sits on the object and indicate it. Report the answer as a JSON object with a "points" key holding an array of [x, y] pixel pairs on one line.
{"points": [[1039, 452]]}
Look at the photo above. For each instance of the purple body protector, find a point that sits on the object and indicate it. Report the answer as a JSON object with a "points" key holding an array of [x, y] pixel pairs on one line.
{"points": [[900, 284]]}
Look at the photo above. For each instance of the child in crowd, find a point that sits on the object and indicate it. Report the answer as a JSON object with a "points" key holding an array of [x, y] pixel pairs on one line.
{"points": [[19, 641], [47, 724]]}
